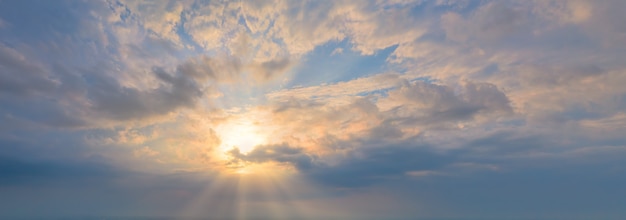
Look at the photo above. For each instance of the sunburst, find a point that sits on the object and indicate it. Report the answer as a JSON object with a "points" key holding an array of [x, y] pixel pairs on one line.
{"points": [[241, 133]]}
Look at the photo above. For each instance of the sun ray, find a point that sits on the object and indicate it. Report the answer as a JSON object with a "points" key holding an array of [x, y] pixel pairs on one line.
{"points": [[219, 196], [267, 191]]}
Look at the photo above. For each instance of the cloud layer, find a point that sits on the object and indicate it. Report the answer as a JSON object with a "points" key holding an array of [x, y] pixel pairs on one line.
{"points": [[436, 107]]}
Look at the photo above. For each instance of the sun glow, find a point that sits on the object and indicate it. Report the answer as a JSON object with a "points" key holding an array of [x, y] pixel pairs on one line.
{"points": [[240, 133], [257, 190]]}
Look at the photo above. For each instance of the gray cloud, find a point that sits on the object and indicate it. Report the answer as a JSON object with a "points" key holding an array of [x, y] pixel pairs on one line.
{"points": [[551, 76], [271, 69], [203, 68], [120, 103], [19, 76], [370, 165], [372, 162], [276, 153], [427, 103], [84, 93]]}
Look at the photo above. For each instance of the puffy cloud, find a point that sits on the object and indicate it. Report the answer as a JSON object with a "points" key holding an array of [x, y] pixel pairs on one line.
{"points": [[437, 103], [393, 111], [121, 103], [277, 153]]}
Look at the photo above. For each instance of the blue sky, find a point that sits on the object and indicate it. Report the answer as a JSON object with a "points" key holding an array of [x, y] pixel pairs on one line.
{"points": [[313, 109]]}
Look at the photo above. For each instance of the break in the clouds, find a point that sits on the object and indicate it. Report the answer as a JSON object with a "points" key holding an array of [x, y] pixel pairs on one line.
{"points": [[313, 109]]}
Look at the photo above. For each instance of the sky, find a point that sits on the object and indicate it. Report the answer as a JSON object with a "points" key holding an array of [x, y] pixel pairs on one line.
{"points": [[342, 109]]}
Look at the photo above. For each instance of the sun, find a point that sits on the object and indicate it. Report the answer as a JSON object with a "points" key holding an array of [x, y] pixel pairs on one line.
{"points": [[240, 133]]}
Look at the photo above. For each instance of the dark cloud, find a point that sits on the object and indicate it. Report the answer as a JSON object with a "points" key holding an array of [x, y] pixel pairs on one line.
{"points": [[426, 103], [203, 68], [276, 153], [271, 69], [508, 144], [20, 76], [69, 97], [369, 165], [379, 161], [96, 92], [66, 103], [492, 23], [496, 20], [71, 75], [122, 103], [551, 76], [488, 98]]}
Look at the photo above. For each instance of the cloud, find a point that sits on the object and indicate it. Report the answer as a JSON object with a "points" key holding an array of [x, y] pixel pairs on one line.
{"points": [[270, 69], [145, 152], [366, 165], [493, 21], [369, 165], [203, 68], [276, 153], [432, 103], [402, 109], [121, 103], [281, 28], [18, 76], [161, 18]]}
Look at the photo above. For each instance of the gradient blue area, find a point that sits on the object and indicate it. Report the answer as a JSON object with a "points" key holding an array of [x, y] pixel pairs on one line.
{"points": [[340, 66]]}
